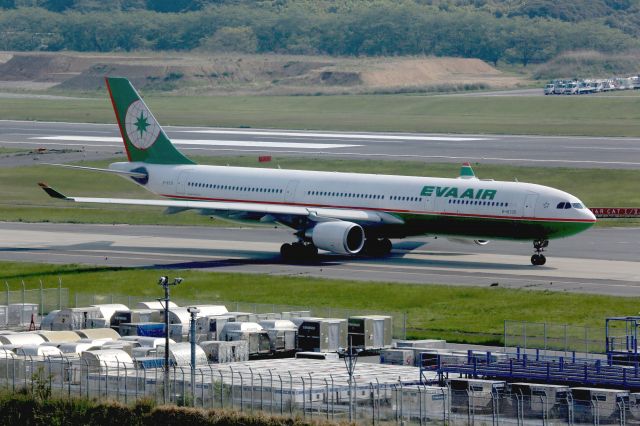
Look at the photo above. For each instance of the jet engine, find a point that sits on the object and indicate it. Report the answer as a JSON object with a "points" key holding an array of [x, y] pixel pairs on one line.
{"points": [[338, 237], [465, 241]]}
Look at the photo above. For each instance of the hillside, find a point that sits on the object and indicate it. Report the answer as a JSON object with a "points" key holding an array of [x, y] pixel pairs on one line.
{"points": [[249, 74], [495, 31]]}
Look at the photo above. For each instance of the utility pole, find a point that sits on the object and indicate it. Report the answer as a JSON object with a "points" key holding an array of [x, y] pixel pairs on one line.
{"points": [[192, 338], [164, 282]]}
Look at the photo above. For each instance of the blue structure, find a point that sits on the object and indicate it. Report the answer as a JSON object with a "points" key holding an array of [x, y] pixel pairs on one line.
{"points": [[622, 340], [557, 370]]}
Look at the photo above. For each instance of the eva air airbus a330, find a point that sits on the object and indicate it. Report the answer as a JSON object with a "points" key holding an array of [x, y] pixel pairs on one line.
{"points": [[345, 213]]}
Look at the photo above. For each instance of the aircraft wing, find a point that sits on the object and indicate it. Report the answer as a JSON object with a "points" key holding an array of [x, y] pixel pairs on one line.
{"points": [[318, 214]]}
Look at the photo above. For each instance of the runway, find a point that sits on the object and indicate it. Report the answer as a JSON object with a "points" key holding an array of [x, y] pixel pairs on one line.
{"points": [[92, 141], [602, 261]]}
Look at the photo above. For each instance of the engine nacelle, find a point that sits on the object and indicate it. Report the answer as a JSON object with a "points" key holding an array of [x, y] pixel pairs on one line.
{"points": [[465, 241], [338, 237]]}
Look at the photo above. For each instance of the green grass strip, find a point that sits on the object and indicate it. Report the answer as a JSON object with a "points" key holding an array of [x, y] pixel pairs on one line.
{"points": [[545, 115], [456, 313]]}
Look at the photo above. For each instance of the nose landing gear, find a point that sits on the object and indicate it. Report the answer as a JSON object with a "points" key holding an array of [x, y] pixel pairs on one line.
{"points": [[538, 258]]}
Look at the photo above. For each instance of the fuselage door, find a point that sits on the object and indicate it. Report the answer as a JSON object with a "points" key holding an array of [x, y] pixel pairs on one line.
{"points": [[530, 205], [290, 192], [181, 185]]}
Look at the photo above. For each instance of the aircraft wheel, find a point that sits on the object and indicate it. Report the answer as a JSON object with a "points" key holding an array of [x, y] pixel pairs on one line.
{"points": [[286, 251], [535, 259], [385, 246], [542, 260]]}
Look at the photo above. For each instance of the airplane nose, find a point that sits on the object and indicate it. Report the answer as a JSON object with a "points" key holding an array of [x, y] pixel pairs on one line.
{"points": [[589, 215]]}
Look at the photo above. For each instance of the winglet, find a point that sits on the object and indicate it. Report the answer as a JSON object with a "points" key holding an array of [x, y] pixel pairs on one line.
{"points": [[466, 172], [52, 192]]}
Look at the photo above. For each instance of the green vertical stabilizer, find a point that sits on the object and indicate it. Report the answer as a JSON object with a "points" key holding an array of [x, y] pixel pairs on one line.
{"points": [[142, 135]]}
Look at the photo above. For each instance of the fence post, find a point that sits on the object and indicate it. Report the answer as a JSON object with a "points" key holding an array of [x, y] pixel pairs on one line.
{"points": [[326, 387], [404, 325], [7, 285], [304, 398], [60, 293], [41, 312], [311, 395]]}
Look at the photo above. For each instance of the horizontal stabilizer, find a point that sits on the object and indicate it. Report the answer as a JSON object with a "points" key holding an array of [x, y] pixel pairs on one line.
{"points": [[139, 175], [52, 192]]}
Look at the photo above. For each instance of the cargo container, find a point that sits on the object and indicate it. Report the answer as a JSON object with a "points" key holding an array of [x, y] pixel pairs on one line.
{"points": [[33, 350], [150, 362], [77, 347], [210, 326], [21, 339], [539, 399], [474, 394], [47, 321], [59, 336], [182, 317], [4, 315], [75, 318], [321, 334], [242, 316], [282, 334], [148, 329], [106, 358], [429, 403], [223, 352], [180, 354], [397, 357], [107, 310], [425, 344], [604, 402], [370, 332], [133, 316], [178, 333], [98, 333], [149, 342], [154, 305], [21, 313], [256, 337]]}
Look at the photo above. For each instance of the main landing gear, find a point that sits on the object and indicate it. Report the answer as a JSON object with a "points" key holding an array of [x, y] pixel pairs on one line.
{"points": [[377, 247], [298, 251], [538, 258]]}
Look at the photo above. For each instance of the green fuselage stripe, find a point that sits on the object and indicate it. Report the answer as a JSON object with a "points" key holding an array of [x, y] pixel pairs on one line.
{"points": [[487, 228]]}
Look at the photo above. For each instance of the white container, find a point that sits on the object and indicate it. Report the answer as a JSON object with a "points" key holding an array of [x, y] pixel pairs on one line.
{"points": [[253, 333], [75, 318], [47, 321], [426, 344], [107, 310], [38, 350], [224, 352], [4, 315], [282, 334], [397, 357], [99, 333], [107, 358], [155, 305], [21, 339], [180, 354], [22, 313], [59, 336]]}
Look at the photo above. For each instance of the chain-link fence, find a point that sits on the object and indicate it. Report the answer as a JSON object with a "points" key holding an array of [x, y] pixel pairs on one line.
{"points": [[313, 395], [553, 338]]}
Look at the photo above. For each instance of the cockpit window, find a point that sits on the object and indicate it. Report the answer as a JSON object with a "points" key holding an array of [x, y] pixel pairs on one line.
{"points": [[560, 205], [577, 206], [567, 205]]}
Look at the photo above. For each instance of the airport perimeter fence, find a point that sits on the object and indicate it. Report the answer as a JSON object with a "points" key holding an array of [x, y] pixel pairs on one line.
{"points": [[554, 339], [364, 402], [45, 298]]}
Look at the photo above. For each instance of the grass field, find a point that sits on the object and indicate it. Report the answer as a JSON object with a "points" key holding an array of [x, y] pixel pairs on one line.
{"points": [[547, 115], [22, 200], [434, 311]]}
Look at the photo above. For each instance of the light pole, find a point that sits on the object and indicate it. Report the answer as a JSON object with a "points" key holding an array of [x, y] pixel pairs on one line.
{"points": [[192, 338], [164, 282], [350, 361]]}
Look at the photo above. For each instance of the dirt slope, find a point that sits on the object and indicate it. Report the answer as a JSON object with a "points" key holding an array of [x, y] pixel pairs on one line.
{"points": [[247, 74]]}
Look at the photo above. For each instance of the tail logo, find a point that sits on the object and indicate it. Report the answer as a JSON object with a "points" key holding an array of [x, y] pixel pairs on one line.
{"points": [[142, 128]]}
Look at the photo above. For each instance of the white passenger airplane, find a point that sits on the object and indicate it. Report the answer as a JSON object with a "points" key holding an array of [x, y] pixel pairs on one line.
{"points": [[345, 213]]}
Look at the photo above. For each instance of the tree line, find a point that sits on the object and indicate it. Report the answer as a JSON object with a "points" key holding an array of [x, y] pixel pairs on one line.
{"points": [[345, 28]]}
